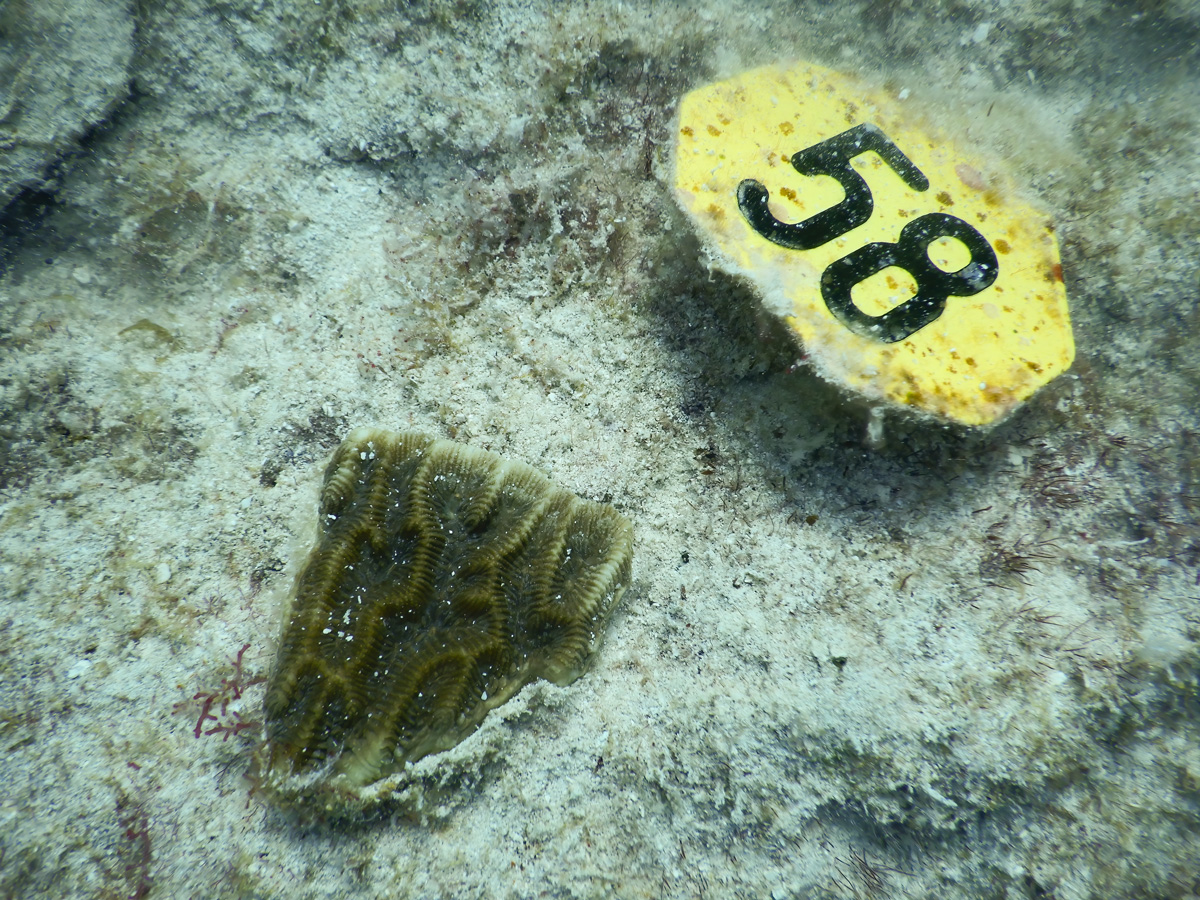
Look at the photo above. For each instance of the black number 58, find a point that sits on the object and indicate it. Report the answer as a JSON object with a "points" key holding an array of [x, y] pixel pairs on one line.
{"points": [[911, 253]]}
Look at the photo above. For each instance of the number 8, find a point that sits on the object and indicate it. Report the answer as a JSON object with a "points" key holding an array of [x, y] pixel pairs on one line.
{"points": [[910, 253]]}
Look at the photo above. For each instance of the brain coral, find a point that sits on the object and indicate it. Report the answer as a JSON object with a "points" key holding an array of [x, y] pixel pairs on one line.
{"points": [[443, 580]]}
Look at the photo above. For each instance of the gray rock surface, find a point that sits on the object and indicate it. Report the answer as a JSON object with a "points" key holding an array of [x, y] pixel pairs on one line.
{"points": [[64, 67]]}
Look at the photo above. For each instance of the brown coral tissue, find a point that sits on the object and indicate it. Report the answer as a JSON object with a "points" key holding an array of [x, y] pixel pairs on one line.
{"points": [[444, 579]]}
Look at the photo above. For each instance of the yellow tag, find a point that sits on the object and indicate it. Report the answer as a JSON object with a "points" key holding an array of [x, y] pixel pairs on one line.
{"points": [[907, 274]]}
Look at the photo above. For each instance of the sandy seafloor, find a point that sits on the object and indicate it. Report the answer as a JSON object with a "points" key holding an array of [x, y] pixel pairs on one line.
{"points": [[954, 664]]}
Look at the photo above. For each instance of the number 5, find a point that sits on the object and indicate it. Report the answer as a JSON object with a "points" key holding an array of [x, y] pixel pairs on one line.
{"points": [[830, 157]]}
